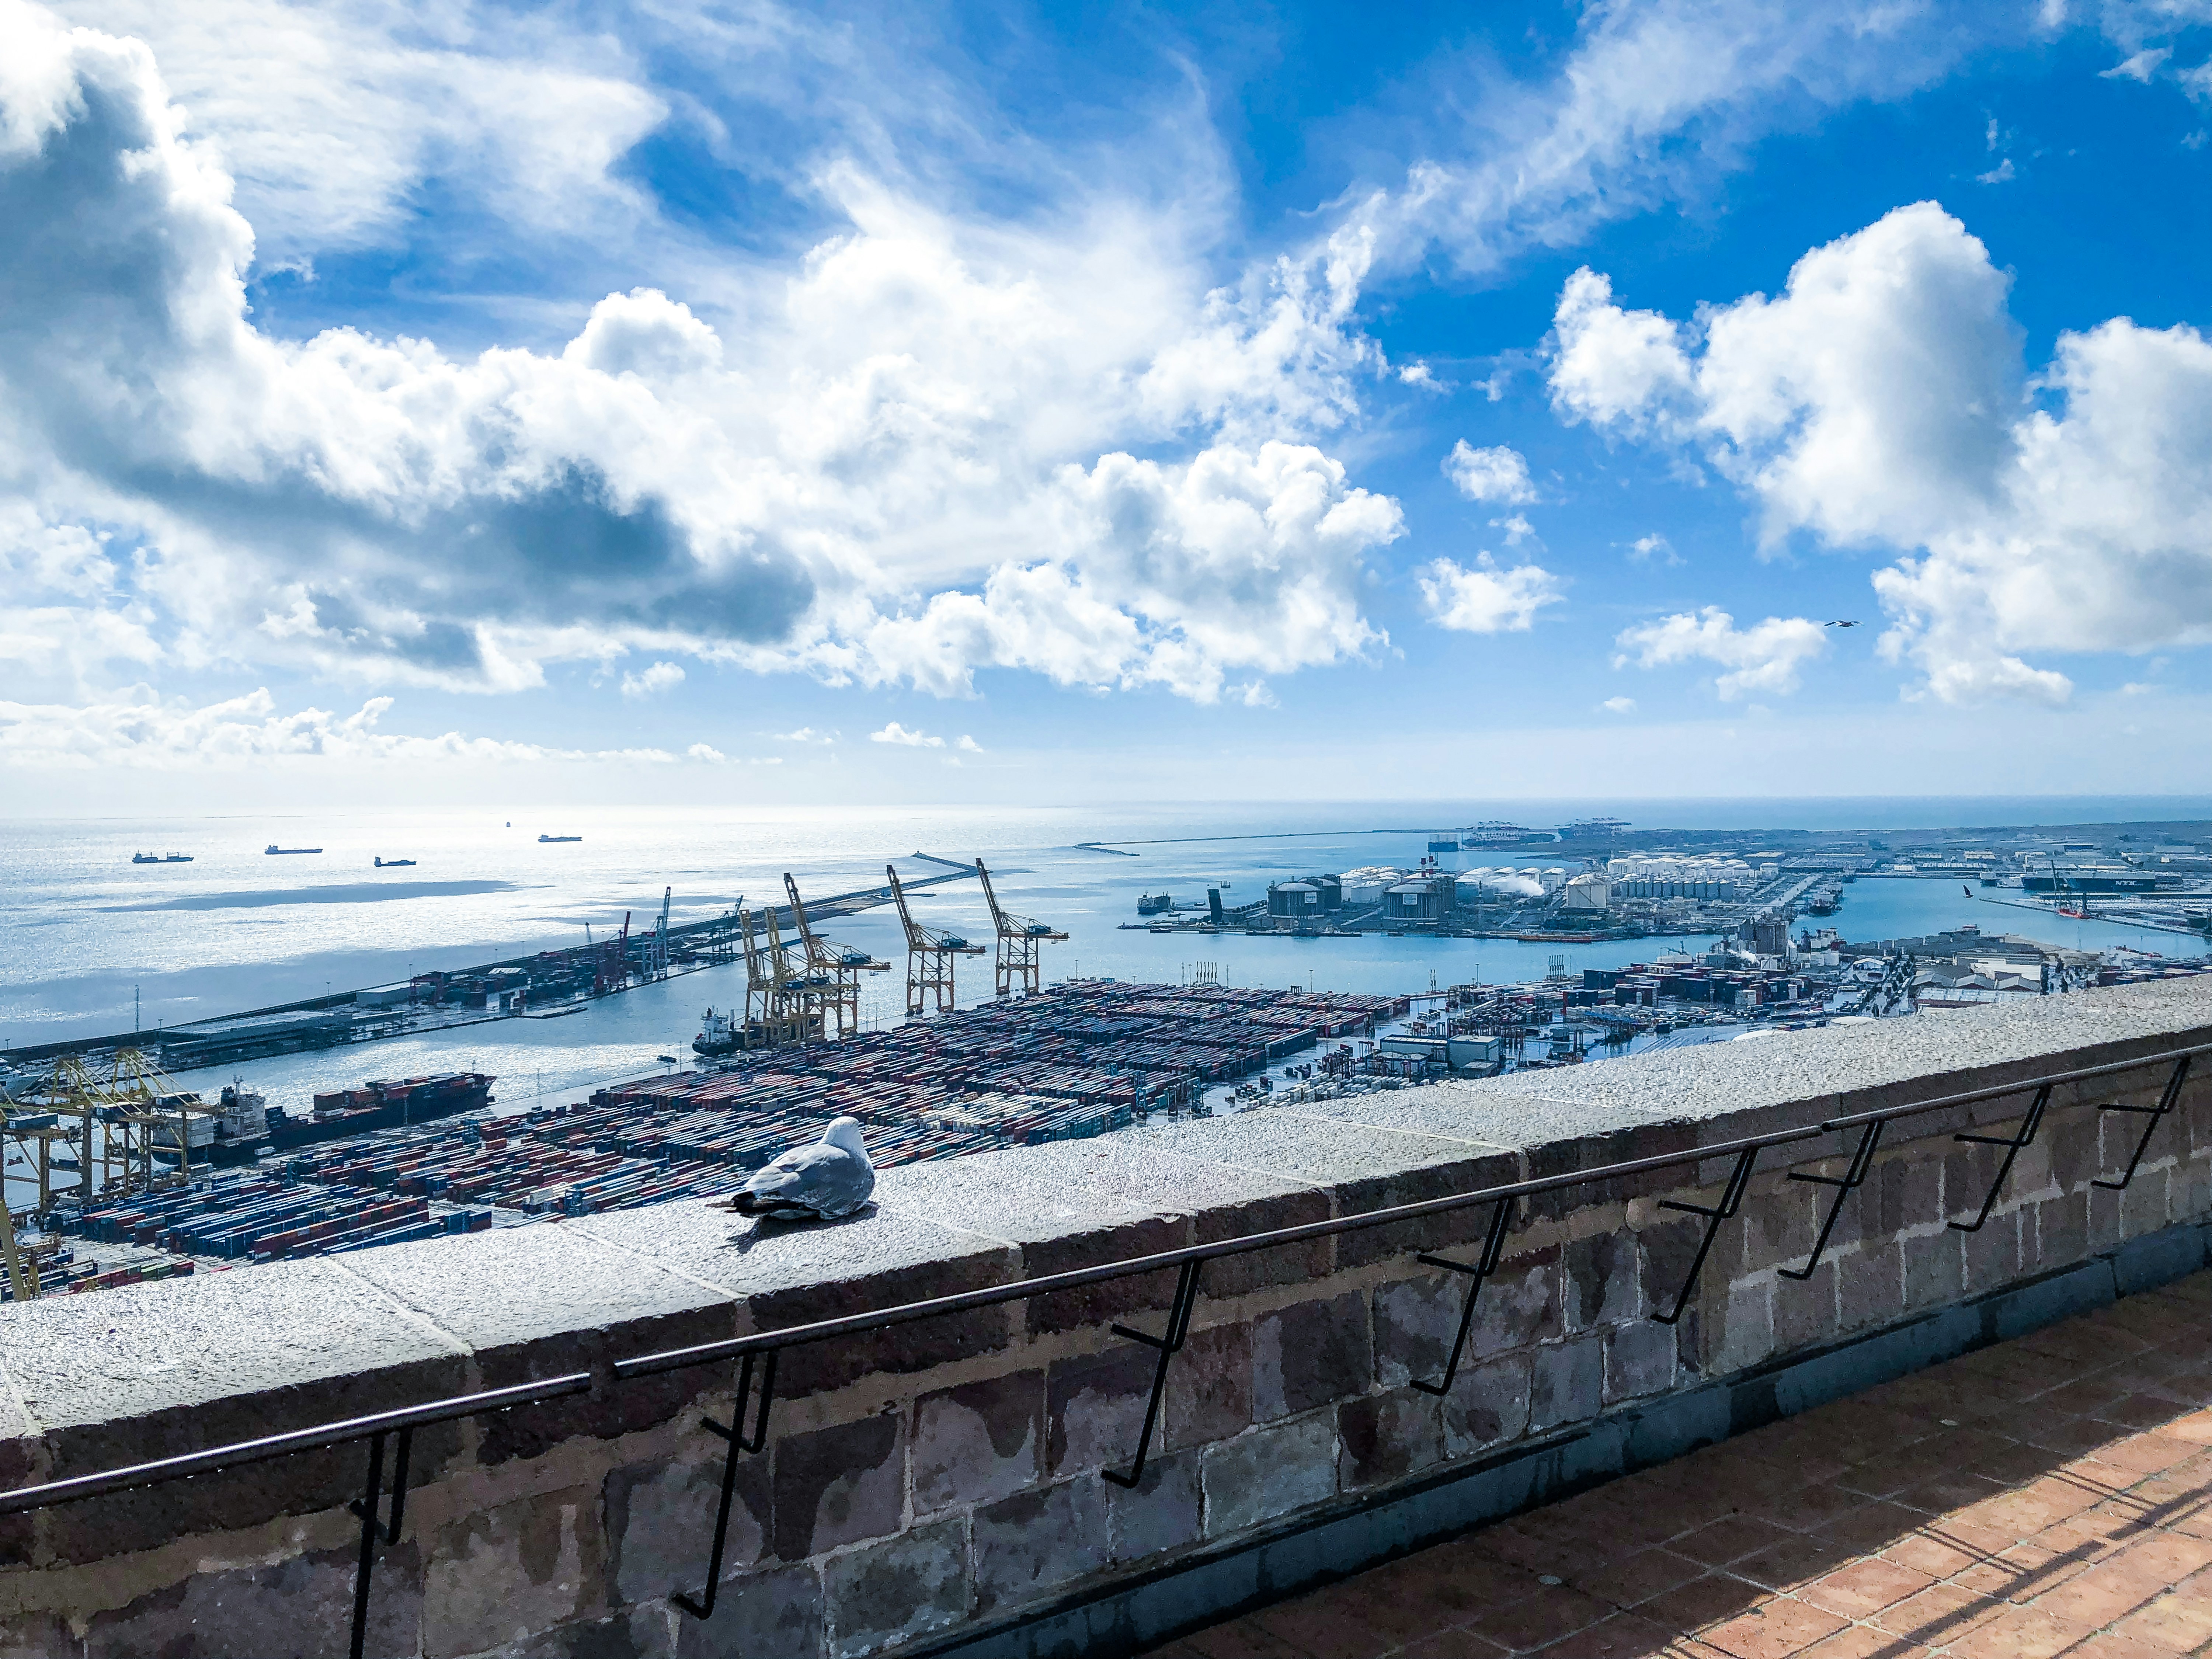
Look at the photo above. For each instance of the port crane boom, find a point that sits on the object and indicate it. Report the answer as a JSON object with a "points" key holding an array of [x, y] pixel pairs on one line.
{"points": [[833, 971], [929, 956], [1018, 939]]}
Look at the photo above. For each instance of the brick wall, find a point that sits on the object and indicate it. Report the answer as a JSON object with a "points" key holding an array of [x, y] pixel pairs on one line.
{"points": [[938, 1478]]}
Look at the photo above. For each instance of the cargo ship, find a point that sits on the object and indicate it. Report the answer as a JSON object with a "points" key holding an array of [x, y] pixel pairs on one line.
{"points": [[274, 850], [395, 864], [161, 858], [544, 840], [380, 1106], [239, 1135]]}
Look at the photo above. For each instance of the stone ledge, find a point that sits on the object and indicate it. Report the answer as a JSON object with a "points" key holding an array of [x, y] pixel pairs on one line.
{"points": [[99, 1381], [268, 1347]]}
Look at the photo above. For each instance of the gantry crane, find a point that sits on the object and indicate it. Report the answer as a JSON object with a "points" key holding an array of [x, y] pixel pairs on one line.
{"points": [[834, 968], [1018, 939], [929, 954], [773, 1017], [656, 944]]}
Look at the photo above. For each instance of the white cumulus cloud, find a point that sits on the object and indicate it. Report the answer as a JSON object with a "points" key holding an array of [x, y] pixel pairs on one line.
{"points": [[895, 733], [1497, 474], [1882, 401], [1486, 600], [140, 729], [911, 457], [1765, 657], [660, 677]]}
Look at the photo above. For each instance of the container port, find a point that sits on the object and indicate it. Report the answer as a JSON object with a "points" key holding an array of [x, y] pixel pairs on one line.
{"points": [[180, 1183], [1078, 1059]]}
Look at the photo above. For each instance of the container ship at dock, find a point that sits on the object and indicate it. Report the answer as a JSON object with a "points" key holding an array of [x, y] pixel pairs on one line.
{"points": [[380, 1106]]}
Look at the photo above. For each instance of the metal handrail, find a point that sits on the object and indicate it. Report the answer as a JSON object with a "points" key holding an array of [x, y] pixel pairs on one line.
{"points": [[375, 1425]]}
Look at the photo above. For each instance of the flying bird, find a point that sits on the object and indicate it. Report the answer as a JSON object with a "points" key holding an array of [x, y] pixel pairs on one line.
{"points": [[831, 1178], [1840, 624]]}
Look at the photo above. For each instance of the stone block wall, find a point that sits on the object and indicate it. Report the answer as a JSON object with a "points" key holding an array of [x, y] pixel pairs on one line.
{"points": [[935, 1479]]}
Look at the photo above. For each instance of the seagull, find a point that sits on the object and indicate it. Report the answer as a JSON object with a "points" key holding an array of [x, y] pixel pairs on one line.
{"points": [[831, 1178], [1840, 624]]}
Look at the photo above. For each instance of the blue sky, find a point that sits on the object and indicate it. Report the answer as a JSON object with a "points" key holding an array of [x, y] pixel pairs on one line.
{"points": [[973, 403]]}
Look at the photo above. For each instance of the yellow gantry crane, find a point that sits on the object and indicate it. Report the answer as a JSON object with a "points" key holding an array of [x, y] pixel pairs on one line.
{"points": [[929, 956], [833, 971], [121, 1123], [1018, 939]]}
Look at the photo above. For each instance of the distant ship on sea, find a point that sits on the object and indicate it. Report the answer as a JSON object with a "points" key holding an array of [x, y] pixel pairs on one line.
{"points": [[395, 864], [543, 839], [288, 851], [161, 858]]}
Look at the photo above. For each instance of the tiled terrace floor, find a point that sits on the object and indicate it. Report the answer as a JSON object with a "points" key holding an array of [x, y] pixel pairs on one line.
{"points": [[2052, 1495]]}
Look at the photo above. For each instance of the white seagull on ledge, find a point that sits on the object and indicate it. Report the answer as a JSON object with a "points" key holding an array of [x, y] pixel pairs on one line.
{"points": [[831, 1178]]}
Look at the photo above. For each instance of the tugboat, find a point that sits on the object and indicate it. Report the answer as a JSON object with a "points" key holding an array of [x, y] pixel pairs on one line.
{"points": [[275, 851], [161, 858]]}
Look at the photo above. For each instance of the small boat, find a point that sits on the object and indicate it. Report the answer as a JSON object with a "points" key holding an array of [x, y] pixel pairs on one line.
{"points": [[161, 858], [286, 851], [395, 864], [543, 840]]}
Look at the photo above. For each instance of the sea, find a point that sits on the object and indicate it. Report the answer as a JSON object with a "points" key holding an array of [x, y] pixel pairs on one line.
{"points": [[99, 945]]}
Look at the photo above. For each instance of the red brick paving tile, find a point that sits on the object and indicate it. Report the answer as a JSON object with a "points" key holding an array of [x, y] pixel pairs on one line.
{"points": [[1865, 1588], [2101, 1597], [1547, 1616], [1809, 1508], [1951, 1490], [2085, 1399], [2179, 1621], [2026, 1511], [1453, 1644], [1774, 1630], [1874, 1527], [1638, 1577], [1889, 1473], [1863, 1642], [1702, 1602], [2071, 1435], [2019, 1633], [1463, 1579], [2140, 1411], [2018, 1462], [1242, 1638], [2142, 1454], [1624, 1636], [1400, 1601], [2196, 1428], [2027, 1569], [1795, 1559], [2110, 1644], [1940, 1614], [1930, 1551], [1726, 1538], [2172, 1557], [1331, 1627], [2193, 1522], [1522, 1549], [2106, 1526]]}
